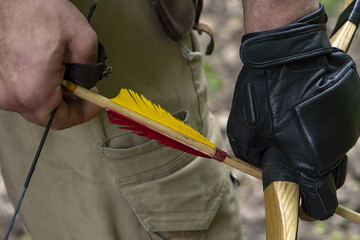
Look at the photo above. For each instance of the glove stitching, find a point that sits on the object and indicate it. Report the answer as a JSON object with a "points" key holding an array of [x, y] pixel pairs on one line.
{"points": [[252, 98], [268, 102], [301, 131], [319, 196], [320, 90]]}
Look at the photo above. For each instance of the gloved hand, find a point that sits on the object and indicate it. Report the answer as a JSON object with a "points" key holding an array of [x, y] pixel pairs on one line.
{"points": [[296, 110]]}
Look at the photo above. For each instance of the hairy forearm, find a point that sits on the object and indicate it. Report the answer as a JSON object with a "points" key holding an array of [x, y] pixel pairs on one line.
{"points": [[262, 15]]}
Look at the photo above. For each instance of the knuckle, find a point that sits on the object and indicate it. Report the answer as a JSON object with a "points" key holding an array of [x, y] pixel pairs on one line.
{"points": [[88, 45]]}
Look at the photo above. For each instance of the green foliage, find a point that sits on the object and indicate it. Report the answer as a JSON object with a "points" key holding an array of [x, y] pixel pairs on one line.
{"points": [[357, 184], [332, 7], [213, 80], [336, 235], [355, 237], [319, 227], [26, 236]]}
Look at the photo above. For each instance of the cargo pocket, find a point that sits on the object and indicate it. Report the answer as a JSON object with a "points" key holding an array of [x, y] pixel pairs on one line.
{"points": [[168, 190]]}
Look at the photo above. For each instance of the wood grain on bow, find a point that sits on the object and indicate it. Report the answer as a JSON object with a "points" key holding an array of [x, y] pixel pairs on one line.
{"points": [[346, 25]]}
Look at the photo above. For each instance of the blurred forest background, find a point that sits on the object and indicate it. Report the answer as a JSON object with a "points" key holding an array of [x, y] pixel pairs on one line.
{"points": [[222, 68]]}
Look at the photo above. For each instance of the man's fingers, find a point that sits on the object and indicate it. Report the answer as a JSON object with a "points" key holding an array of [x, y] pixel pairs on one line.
{"points": [[303, 216], [70, 112], [318, 197], [73, 111], [83, 47], [276, 168]]}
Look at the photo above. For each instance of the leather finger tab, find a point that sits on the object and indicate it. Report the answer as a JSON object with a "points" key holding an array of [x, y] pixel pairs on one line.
{"points": [[87, 75]]}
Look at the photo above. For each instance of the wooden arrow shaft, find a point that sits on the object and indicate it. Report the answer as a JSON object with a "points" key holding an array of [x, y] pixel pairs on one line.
{"points": [[229, 160]]}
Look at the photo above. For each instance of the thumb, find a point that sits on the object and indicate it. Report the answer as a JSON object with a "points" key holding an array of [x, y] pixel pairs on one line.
{"points": [[318, 194], [276, 168], [83, 46]]}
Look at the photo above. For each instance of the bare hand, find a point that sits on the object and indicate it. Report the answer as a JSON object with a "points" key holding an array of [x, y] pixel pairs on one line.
{"points": [[36, 38]]}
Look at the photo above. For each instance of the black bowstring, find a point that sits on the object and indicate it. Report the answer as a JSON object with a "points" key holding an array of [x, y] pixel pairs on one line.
{"points": [[31, 171], [37, 155], [92, 9]]}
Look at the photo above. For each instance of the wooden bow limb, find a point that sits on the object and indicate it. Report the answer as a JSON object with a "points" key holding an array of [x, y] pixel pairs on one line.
{"points": [[346, 25], [281, 210], [282, 198]]}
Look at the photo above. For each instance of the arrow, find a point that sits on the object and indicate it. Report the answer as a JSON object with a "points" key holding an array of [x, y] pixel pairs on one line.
{"points": [[136, 113]]}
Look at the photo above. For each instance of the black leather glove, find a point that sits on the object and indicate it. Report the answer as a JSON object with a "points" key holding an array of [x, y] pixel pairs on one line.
{"points": [[296, 110]]}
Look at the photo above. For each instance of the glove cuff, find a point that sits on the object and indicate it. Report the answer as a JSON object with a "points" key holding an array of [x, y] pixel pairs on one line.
{"points": [[306, 38]]}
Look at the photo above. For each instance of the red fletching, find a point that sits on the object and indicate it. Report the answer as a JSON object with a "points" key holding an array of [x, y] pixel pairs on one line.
{"points": [[142, 130]]}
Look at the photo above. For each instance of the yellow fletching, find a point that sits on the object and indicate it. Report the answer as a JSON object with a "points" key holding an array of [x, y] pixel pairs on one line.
{"points": [[139, 104]]}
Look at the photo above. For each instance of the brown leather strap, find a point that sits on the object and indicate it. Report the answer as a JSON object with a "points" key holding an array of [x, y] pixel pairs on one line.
{"points": [[198, 9], [201, 27], [176, 17]]}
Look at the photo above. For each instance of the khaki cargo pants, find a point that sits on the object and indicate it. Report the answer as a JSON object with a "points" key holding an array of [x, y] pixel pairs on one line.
{"points": [[95, 181]]}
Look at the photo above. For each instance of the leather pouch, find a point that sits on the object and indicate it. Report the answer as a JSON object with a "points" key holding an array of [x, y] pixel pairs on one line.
{"points": [[177, 17]]}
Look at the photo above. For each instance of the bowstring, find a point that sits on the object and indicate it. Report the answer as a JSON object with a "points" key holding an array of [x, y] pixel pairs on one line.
{"points": [[37, 155], [31, 171]]}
